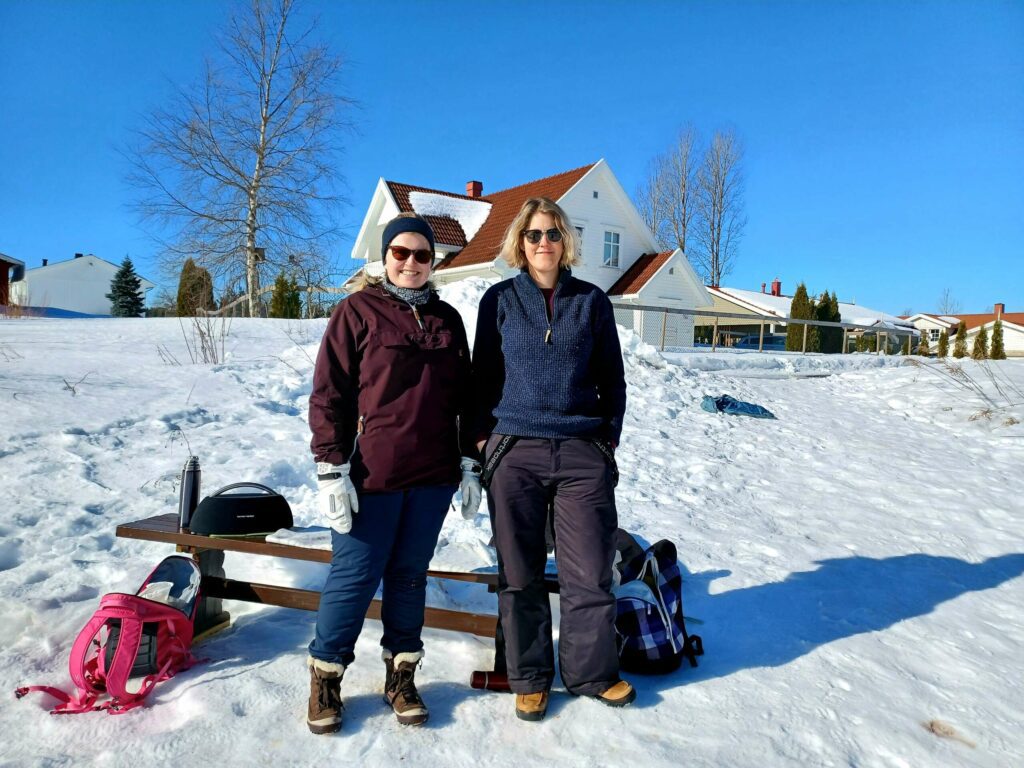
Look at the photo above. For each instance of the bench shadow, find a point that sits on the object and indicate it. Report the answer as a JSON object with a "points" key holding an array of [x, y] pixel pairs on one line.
{"points": [[772, 624]]}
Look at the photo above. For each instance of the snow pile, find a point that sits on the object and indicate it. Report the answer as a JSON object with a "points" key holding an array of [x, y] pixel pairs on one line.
{"points": [[471, 214], [857, 564]]}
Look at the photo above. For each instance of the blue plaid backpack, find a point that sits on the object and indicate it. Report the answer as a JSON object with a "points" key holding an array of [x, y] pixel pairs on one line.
{"points": [[649, 609]]}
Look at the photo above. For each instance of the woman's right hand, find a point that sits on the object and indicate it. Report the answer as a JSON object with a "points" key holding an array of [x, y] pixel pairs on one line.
{"points": [[338, 499]]}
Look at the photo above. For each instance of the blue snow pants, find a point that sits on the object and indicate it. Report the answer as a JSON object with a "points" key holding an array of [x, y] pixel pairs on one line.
{"points": [[392, 539]]}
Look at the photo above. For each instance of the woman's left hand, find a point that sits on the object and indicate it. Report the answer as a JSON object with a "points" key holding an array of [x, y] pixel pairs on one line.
{"points": [[470, 488]]}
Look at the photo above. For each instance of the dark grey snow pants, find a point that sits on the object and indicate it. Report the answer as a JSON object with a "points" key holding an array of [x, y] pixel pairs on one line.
{"points": [[575, 476]]}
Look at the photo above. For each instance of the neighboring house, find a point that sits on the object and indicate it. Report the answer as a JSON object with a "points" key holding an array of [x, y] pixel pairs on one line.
{"points": [[618, 252], [7, 264], [775, 304], [932, 326], [1013, 328], [79, 285]]}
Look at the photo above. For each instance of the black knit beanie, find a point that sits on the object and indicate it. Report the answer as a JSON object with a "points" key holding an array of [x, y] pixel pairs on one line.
{"points": [[402, 224]]}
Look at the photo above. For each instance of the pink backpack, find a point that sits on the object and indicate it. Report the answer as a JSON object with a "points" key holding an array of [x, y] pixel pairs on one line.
{"points": [[148, 634]]}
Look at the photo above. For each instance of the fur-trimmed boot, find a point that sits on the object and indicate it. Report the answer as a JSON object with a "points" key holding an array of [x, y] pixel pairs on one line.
{"points": [[400, 687], [325, 706]]}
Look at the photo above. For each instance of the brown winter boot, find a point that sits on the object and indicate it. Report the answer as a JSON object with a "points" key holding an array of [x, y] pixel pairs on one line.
{"points": [[325, 707], [619, 695], [400, 687], [532, 706]]}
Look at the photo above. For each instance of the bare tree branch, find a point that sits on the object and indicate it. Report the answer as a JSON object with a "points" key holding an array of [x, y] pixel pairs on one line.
{"points": [[720, 217], [947, 304], [246, 162]]}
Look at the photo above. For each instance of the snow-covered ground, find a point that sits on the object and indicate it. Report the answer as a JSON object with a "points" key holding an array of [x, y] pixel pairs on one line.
{"points": [[856, 563]]}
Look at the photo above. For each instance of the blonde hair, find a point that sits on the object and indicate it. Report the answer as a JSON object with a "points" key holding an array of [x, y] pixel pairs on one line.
{"points": [[512, 245]]}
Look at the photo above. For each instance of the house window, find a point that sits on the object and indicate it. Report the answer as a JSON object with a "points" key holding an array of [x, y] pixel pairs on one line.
{"points": [[934, 334], [579, 236], [611, 249], [595, 194], [671, 270]]}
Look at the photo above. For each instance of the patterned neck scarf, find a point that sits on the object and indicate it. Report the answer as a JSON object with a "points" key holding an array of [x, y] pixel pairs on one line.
{"points": [[417, 297]]}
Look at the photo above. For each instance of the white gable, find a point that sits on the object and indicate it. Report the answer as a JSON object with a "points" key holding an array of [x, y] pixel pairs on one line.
{"points": [[675, 284], [610, 210], [383, 209]]}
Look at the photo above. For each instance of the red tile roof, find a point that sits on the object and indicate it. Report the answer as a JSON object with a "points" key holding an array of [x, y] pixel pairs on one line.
{"points": [[447, 230], [486, 244], [642, 270], [973, 321]]}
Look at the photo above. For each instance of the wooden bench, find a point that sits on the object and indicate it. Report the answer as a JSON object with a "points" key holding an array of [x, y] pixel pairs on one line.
{"points": [[209, 555]]}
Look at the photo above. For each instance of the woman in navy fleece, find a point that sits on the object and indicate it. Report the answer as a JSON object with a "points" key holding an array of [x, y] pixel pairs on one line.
{"points": [[548, 369]]}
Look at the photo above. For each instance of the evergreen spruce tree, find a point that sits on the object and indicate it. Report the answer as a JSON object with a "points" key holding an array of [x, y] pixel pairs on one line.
{"points": [[195, 289], [997, 351], [836, 317], [960, 343], [285, 301], [800, 309], [922, 348], [943, 349], [126, 291], [980, 349]]}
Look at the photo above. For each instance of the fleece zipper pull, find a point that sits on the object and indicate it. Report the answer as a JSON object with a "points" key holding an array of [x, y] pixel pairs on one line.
{"points": [[416, 314]]}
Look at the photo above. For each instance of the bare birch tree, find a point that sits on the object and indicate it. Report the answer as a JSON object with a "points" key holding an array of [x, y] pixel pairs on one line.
{"points": [[242, 168], [666, 199], [720, 216], [947, 304]]}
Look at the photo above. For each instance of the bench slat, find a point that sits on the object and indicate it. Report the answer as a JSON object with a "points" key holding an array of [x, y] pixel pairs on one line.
{"points": [[308, 600], [164, 528]]}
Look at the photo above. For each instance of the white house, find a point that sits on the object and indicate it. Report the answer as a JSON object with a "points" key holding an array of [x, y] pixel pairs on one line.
{"points": [[618, 251], [932, 326], [80, 284]]}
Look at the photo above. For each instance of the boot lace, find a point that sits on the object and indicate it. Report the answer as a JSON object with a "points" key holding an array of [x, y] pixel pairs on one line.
{"points": [[328, 694], [403, 683]]}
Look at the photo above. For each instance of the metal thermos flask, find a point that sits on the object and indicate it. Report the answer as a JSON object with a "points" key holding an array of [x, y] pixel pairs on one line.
{"points": [[189, 499]]}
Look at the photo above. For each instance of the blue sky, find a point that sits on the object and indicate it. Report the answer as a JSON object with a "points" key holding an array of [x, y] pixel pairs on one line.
{"points": [[884, 140]]}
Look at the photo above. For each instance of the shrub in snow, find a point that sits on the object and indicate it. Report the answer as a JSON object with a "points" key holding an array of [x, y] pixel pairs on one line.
{"points": [[922, 348], [801, 309], [285, 301], [943, 345], [980, 349], [998, 352], [195, 289], [960, 344]]}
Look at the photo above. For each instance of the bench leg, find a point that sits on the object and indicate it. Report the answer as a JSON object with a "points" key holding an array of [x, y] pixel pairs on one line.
{"points": [[211, 616]]}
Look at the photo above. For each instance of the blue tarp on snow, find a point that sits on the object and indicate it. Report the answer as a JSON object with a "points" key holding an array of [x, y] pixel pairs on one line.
{"points": [[734, 407]]}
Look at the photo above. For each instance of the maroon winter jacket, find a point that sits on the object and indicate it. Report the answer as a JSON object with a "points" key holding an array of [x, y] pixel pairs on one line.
{"points": [[404, 388]]}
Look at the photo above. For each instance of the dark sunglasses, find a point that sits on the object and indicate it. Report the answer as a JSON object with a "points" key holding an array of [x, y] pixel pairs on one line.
{"points": [[422, 255], [534, 235]]}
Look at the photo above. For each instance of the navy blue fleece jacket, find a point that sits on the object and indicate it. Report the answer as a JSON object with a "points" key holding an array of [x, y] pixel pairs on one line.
{"points": [[541, 376]]}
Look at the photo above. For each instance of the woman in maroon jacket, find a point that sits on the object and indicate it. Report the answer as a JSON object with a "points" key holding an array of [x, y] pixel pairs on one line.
{"points": [[391, 414]]}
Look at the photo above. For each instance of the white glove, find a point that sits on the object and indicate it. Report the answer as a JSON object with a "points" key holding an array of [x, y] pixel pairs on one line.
{"points": [[470, 488], [338, 499]]}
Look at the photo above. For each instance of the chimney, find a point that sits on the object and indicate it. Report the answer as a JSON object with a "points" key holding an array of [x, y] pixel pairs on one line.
{"points": [[78, 255], [45, 261], [776, 287], [1000, 308], [762, 287], [474, 189]]}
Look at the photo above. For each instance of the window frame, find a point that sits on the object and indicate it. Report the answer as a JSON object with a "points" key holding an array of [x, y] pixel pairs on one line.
{"points": [[616, 244]]}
